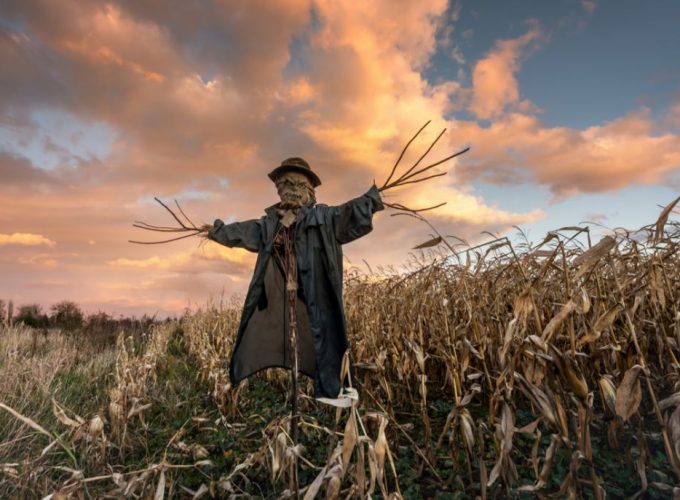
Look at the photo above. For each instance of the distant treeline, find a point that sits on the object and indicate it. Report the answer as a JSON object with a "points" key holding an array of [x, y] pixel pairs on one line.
{"points": [[68, 317]]}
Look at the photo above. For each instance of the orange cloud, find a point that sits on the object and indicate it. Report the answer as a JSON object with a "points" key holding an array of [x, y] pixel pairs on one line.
{"points": [[26, 239], [468, 209], [201, 259], [494, 84], [520, 147]]}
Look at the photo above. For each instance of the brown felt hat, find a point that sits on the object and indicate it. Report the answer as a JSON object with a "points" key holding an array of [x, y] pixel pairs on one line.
{"points": [[295, 165]]}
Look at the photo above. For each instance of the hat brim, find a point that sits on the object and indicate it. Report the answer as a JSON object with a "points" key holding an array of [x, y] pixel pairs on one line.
{"points": [[274, 174]]}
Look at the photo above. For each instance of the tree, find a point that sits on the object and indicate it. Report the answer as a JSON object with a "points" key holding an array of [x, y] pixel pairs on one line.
{"points": [[31, 315], [3, 312], [67, 316]]}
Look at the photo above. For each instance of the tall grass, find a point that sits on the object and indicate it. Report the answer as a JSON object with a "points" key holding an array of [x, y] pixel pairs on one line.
{"points": [[34, 369]]}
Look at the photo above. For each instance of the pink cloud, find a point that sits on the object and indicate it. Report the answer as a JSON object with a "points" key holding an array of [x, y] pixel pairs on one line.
{"points": [[603, 157], [25, 239], [494, 82], [206, 258]]}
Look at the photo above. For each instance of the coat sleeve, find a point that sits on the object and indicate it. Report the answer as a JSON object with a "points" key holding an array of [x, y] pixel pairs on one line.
{"points": [[354, 219], [246, 234]]}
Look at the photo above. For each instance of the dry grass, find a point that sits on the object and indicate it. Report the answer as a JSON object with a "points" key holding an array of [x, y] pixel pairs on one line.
{"points": [[548, 370], [34, 368]]}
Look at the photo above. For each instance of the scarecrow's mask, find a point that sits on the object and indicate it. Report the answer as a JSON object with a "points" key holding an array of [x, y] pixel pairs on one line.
{"points": [[295, 190]]}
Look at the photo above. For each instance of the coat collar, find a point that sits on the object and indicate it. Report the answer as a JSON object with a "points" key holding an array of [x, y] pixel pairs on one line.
{"points": [[271, 210]]}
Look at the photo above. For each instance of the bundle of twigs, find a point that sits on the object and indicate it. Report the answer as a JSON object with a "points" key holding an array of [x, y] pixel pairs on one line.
{"points": [[188, 230], [411, 175]]}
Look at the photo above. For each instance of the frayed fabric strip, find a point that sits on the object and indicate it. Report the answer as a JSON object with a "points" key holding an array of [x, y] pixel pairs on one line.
{"points": [[348, 397]]}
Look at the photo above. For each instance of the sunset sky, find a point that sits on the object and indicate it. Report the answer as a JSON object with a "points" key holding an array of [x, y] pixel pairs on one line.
{"points": [[571, 109]]}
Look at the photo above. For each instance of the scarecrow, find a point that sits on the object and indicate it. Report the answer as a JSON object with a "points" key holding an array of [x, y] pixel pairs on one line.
{"points": [[296, 290], [293, 316]]}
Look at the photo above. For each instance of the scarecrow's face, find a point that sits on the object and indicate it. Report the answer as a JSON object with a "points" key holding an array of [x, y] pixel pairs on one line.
{"points": [[295, 189]]}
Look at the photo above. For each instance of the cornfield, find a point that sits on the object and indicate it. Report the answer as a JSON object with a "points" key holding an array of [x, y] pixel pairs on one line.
{"points": [[500, 371]]}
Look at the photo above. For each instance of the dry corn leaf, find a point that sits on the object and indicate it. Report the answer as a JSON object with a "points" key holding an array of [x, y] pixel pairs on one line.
{"points": [[548, 461], [60, 413], [372, 469], [585, 301], [561, 417], [538, 342], [349, 439], [569, 371], [602, 323], [663, 217], [200, 492], [138, 409], [27, 421], [639, 299], [467, 430], [588, 259], [160, 488], [523, 304], [629, 393], [557, 320], [474, 389], [334, 483], [672, 400], [545, 405], [657, 286], [530, 428], [314, 488], [360, 469], [507, 339], [534, 451], [277, 451], [504, 466], [429, 243], [381, 452], [674, 428]]}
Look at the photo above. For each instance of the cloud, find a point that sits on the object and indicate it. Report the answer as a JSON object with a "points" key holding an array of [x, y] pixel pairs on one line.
{"points": [[40, 260], [25, 239], [494, 82], [596, 216], [18, 171], [589, 6], [202, 99], [200, 260], [521, 148]]}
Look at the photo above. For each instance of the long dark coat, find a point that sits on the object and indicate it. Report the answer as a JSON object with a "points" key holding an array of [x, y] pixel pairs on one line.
{"points": [[320, 232]]}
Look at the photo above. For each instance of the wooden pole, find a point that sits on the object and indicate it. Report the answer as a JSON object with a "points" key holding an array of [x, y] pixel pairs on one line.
{"points": [[291, 293]]}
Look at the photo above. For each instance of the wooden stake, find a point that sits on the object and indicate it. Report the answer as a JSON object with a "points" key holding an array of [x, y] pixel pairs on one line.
{"points": [[291, 293]]}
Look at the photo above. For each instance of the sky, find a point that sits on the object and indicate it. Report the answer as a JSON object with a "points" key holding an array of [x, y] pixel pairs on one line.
{"points": [[571, 109]]}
